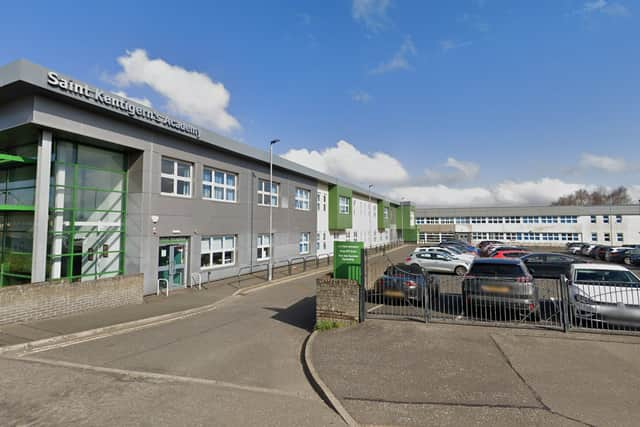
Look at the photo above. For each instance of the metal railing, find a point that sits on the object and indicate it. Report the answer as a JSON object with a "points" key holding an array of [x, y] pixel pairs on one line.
{"points": [[195, 280], [285, 264]]}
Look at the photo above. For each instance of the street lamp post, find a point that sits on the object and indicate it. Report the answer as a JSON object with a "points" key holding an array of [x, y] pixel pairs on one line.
{"points": [[370, 231], [402, 218], [271, 239]]}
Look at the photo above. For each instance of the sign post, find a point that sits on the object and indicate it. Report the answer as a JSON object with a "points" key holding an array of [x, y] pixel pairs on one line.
{"points": [[347, 261]]}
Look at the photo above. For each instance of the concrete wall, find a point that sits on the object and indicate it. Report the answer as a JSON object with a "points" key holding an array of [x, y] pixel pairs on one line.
{"points": [[337, 300], [38, 301]]}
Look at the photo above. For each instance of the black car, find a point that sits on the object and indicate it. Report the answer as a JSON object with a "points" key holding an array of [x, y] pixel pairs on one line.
{"points": [[616, 254], [548, 264], [410, 283]]}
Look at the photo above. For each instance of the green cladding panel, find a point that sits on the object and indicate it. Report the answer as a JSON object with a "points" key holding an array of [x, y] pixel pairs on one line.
{"points": [[337, 220], [407, 223], [383, 222]]}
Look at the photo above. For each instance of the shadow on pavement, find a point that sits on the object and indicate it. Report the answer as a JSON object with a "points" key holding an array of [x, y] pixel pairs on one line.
{"points": [[300, 314]]}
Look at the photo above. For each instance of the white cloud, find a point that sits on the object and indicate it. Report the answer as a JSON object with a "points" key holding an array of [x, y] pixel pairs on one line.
{"points": [[462, 171], [371, 13], [361, 97], [604, 163], [540, 192], [347, 162], [604, 6], [143, 101], [190, 94], [447, 45], [400, 60]]}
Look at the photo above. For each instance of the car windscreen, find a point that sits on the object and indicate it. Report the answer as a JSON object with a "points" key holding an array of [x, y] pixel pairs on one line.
{"points": [[605, 277], [496, 270]]}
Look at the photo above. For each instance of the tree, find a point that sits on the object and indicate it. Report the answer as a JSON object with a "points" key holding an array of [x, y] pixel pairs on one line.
{"points": [[599, 196]]}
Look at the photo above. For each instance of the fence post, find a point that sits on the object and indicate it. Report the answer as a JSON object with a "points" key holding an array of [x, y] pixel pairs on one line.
{"points": [[564, 296], [363, 281]]}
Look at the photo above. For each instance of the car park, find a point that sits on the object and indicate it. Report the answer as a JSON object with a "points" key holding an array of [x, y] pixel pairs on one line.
{"points": [[548, 265], [510, 253], [408, 283], [438, 263], [604, 295], [500, 283]]}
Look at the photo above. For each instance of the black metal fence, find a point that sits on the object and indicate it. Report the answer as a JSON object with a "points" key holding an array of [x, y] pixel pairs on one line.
{"points": [[406, 292]]}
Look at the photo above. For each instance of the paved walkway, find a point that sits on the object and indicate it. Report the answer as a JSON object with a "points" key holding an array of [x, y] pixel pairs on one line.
{"points": [[409, 373]]}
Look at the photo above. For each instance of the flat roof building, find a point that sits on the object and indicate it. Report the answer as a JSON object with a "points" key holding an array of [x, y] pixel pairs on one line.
{"points": [[94, 185]]}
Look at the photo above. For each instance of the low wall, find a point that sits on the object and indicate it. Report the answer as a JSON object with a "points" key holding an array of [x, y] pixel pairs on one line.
{"points": [[38, 301], [337, 300]]}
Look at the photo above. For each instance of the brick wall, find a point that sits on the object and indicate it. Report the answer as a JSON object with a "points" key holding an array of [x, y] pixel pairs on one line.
{"points": [[337, 300], [38, 301]]}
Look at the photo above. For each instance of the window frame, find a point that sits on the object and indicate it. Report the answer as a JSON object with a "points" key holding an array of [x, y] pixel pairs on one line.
{"points": [[264, 183], [346, 211], [225, 187], [260, 247], [303, 200], [222, 250], [302, 241], [175, 177]]}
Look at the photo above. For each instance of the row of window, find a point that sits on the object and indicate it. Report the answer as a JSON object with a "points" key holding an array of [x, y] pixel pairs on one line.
{"points": [[222, 186], [526, 236], [607, 237], [220, 251], [605, 219], [562, 219]]}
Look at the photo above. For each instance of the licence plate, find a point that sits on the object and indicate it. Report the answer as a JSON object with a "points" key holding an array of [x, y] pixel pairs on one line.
{"points": [[393, 294], [496, 289]]}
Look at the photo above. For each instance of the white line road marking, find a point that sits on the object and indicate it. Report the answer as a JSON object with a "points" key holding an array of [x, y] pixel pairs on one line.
{"points": [[164, 377]]}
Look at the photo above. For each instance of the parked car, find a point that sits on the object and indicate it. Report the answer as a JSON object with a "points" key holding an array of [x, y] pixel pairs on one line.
{"points": [[604, 294], [616, 254], [497, 249], [573, 245], [450, 251], [632, 257], [577, 250], [438, 263], [484, 246], [463, 246], [600, 252], [548, 264], [586, 250], [408, 283], [505, 283], [510, 253]]}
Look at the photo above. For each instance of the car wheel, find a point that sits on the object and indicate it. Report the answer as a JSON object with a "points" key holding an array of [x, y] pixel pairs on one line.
{"points": [[460, 270], [627, 260]]}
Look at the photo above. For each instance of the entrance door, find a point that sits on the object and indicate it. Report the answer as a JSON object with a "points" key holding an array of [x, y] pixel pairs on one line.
{"points": [[172, 262]]}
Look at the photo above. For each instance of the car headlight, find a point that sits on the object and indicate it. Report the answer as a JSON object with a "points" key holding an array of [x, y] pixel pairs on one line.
{"points": [[584, 299]]}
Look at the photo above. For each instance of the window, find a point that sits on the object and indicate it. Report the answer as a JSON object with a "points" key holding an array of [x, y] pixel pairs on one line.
{"points": [[620, 237], [317, 242], [607, 237], [302, 199], [264, 194], [303, 244], [386, 214], [175, 178], [217, 251], [219, 185], [605, 219], [324, 203], [264, 247], [318, 201], [618, 219], [343, 205], [594, 237], [593, 219]]}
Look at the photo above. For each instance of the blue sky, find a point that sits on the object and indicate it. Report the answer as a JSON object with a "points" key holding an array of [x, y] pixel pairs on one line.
{"points": [[445, 103]]}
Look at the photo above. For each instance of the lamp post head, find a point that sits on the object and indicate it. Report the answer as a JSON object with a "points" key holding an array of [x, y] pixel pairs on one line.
{"points": [[275, 141]]}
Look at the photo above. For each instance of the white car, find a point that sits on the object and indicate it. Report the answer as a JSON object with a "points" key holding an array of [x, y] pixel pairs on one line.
{"points": [[435, 262], [605, 294], [447, 251]]}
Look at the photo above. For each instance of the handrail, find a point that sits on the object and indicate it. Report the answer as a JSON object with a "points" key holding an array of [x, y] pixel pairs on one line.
{"points": [[196, 277], [292, 261], [319, 257], [167, 286]]}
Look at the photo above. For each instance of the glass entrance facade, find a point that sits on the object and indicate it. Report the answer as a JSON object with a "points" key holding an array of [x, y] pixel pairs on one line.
{"points": [[87, 212]]}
